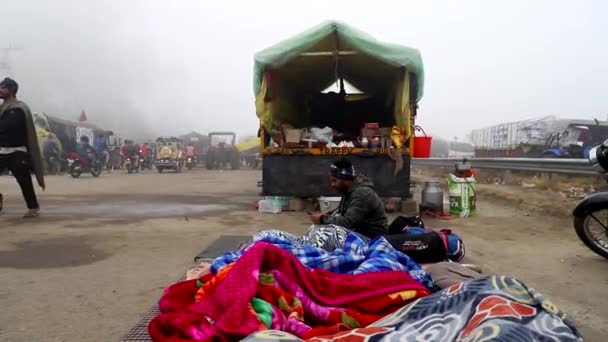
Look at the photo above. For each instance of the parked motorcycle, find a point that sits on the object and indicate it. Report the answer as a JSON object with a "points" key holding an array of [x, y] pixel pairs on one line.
{"points": [[78, 165], [131, 164], [591, 214], [190, 163]]}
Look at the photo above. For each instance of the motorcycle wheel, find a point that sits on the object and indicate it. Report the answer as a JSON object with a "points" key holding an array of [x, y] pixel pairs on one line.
{"points": [[96, 172], [159, 170], [189, 166], [129, 170], [75, 170], [592, 229]]}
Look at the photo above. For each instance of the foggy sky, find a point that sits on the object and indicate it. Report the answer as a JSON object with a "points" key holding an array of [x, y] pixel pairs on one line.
{"points": [[142, 67]]}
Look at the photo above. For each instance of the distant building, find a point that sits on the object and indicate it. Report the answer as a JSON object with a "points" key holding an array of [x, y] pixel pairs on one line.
{"points": [[460, 150], [441, 148], [196, 139]]}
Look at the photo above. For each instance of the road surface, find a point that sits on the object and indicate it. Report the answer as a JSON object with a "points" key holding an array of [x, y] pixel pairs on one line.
{"points": [[103, 249]]}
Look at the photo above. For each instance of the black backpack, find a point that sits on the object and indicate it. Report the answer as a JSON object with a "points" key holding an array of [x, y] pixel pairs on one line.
{"points": [[424, 248], [409, 235], [401, 223]]}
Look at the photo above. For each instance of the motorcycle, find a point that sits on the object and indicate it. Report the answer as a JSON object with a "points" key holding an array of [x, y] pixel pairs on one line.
{"points": [[78, 165], [190, 163], [142, 163], [131, 164], [146, 163], [591, 214]]}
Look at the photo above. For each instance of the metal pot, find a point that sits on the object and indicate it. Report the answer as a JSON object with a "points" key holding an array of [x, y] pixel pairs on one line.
{"points": [[432, 197]]}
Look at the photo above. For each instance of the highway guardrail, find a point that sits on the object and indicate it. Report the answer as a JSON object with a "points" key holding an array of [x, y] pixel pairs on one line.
{"points": [[541, 165]]}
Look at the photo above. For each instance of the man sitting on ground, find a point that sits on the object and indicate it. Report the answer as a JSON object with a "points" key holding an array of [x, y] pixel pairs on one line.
{"points": [[360, 209]]}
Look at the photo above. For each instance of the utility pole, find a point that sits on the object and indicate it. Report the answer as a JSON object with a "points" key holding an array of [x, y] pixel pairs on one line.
{"points": [[5, 53]]}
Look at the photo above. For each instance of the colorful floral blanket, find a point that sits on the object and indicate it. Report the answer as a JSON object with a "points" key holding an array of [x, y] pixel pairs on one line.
{"points": [[269, 288], [488, 309], [356, 257]]}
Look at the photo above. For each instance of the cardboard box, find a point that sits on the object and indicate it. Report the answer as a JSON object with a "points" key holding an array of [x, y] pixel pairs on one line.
{"points": [[292, 135], [376, 132], [297, 204]]}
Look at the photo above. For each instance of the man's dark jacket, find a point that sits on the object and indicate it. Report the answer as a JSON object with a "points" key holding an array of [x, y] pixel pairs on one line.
{"points": [[361, 210], [20, 112]]}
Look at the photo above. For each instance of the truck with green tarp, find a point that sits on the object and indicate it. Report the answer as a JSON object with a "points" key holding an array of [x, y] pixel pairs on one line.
{"points": [[304, 126]]}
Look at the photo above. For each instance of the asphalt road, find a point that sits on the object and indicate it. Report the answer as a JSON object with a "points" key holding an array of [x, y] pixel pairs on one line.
{"points": [[103, 249]]}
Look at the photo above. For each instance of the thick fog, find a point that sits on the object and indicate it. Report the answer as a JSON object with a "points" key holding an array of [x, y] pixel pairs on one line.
{"points": [[169, 67]]}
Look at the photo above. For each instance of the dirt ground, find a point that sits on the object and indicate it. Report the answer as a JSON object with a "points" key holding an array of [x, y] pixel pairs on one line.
{"points": [[103, 249]]}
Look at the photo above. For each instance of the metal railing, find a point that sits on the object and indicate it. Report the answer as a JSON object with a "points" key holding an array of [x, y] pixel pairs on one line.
{"points": [[542, 165]]}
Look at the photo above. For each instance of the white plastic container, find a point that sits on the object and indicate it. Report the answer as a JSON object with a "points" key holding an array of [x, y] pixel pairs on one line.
{"points": [[279, 201], [267, 206], [329, 204]]}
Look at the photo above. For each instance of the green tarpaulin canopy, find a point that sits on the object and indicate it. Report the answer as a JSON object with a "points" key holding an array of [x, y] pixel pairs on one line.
{"points": [[307, 61]]}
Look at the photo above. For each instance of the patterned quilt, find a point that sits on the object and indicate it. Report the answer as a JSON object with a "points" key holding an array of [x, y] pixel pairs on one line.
{"points": [[356, 257], [489, 309], [268, 288]]}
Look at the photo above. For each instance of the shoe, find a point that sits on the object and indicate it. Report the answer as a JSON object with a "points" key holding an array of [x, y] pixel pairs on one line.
{"points": [[30, 213]]}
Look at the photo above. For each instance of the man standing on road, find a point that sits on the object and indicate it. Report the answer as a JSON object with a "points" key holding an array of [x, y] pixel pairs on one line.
{"points": [[50, 149], [19, 149], [361, 209], [101, 147]]}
